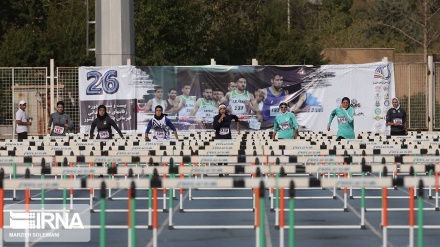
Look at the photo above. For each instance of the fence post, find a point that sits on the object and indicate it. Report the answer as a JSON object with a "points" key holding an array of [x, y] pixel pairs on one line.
{"points": [[430, 92], [52, 85]]}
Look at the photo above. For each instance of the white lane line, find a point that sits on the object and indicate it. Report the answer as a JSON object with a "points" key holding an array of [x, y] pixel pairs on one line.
{"points": [[267, 231], [367, 223], [165, 222]]}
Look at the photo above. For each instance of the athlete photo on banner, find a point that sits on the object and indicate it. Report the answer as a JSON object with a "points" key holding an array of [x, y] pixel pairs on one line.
{"points": [[190, 95]]}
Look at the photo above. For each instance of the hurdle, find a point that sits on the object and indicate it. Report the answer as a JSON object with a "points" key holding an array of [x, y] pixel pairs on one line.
{"points": [[412, 182], [13, 161], [170, 183]]}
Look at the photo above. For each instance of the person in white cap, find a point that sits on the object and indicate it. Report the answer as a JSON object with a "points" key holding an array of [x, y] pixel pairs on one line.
{"points": [[22, 120]]}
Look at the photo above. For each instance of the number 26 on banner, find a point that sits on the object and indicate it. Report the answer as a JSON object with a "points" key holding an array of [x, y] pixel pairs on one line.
{"points": [[108, 82]]}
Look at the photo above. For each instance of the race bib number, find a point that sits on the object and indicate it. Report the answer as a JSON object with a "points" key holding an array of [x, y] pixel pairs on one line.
{"points": [[239, 108], [160, 134], [274, 111], [104, 134], [398, 120], [342, 120], [224, 131], [316, 109], [285, 126], [58, 130]]}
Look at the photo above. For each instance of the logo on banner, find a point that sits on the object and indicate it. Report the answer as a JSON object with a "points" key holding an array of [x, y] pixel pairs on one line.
{"points": [[377, 118], [377, 111], [355, 104], [377, 96], [140, 79], [386, 103], [382, 72]]}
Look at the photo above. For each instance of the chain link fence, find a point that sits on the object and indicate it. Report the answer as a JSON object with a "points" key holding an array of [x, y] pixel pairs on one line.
{"points": [[29, 84], [411, 90]]}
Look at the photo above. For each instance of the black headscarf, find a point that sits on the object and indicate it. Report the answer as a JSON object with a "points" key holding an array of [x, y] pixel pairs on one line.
{"points": [[161, 115], [105, 114]]}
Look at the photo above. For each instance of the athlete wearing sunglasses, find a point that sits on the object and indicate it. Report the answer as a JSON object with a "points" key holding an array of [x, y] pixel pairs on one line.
{"points": [[285, 124]]}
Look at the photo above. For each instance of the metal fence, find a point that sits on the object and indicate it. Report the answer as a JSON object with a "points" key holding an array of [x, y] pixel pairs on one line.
{"points": [[411, 89], [32, 85]]}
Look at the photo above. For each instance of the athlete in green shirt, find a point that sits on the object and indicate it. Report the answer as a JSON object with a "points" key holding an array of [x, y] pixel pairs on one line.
{"points": [[285, 124], [345, 118]]}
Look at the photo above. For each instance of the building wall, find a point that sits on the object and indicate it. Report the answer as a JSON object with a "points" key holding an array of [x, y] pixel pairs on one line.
{"points": [[358, 56]]}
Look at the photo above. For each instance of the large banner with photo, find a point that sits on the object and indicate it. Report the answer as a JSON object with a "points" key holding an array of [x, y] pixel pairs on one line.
{"points": [[190, 95]]}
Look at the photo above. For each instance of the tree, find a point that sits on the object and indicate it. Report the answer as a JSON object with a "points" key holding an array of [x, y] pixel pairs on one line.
{"points": [[192, 32], [170, 32], [40, 32], [418, 23]]}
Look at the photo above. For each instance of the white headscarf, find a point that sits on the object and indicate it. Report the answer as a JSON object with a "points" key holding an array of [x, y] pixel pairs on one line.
{"points": [[398, 103]]}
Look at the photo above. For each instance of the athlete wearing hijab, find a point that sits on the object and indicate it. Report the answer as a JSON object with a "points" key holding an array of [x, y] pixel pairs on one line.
{"points": [[344, 114], [161, 126], [222, 123], [104, 124], [285, 123], [396, 118]]}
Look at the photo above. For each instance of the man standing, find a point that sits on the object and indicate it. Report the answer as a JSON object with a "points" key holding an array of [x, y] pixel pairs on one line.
{"points": [[171, 101], [22, 120], [184, 104], [217, 95], [157, 100], [232, 86], [204, 110], [171, 111], [241, 102], [271, 97]]}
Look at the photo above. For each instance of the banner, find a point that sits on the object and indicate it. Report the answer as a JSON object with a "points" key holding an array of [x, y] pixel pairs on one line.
{"points": [[370, 88], [190, 95]]}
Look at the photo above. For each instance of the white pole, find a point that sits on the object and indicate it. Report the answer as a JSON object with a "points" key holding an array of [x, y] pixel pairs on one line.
{"points": [[213, 62], [430, 92], [52, 86], [13, 102]]}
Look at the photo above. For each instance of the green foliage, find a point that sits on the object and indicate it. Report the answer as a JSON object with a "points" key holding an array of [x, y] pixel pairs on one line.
{"points": [[191, 32], [39, 31]]}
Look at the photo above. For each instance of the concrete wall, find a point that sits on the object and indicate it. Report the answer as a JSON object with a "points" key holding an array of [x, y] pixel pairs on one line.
{"points": [[114, 32], [358, 55], [371, 55], [6, 132]]}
